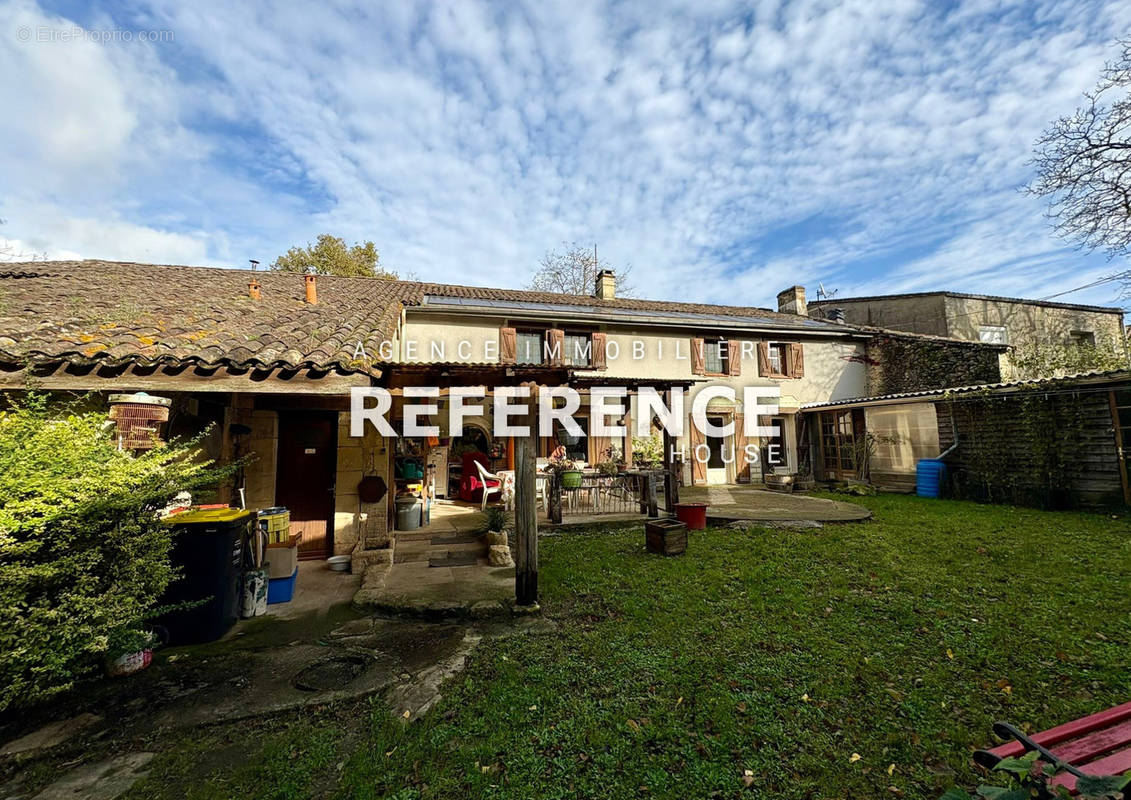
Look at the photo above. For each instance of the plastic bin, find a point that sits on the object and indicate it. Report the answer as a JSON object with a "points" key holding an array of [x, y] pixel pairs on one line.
{"points": [[281, 590], [208, 549], [693, 515], [408, 514], [930, 473], [281, 562]]}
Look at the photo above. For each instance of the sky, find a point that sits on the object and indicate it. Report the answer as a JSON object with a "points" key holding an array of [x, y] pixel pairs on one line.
{"points": [[723, 151]]}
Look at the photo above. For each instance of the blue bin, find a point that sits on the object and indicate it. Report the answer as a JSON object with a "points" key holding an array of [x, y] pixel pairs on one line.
{"points": [[281, 590], [930, 473]]}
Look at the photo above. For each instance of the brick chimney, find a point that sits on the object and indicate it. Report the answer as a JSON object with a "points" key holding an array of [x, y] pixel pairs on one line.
{"points": [[253, 289], [606, 286], [792, 301], [311, 287]]}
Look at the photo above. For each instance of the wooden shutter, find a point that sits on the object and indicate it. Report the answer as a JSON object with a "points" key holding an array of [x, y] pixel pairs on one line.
{"points": [[796, 361], [734, 358], [697, 367], [698, 468], [597, 347], [764, 359], [555, 340], [508, 346], [741, 465]]}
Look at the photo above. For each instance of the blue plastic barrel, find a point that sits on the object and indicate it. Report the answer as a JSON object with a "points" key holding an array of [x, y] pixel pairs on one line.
{"points": [[929, 476]]}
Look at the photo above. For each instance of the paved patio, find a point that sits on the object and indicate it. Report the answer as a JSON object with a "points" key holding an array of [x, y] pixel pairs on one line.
{"points": [[741, 502]]}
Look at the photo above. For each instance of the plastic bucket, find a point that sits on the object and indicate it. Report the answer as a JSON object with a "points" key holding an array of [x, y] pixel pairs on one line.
{"points": [[693, 515]]}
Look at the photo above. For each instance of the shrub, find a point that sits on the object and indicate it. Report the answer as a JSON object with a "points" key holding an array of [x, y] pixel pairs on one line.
{"points": [[83, 554], [648, 451]]}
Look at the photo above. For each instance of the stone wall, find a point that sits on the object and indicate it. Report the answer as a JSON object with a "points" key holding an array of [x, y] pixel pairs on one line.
{"points": [[909, 363], [259, 475], [360, 526]]}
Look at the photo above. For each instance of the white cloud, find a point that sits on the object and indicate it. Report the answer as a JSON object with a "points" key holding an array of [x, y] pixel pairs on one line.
{"points": [[796, 142]]}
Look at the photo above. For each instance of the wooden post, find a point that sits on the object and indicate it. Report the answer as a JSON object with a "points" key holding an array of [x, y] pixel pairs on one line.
{"points": [[645, 479], [555, 489], [526, 518], [671, 467], [653, 505]]}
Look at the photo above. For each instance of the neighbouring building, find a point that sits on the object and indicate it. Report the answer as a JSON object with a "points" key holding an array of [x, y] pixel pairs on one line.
{"points": [[1028, 327]]}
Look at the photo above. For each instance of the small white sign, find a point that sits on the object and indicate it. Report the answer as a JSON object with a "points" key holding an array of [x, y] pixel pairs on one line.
{"points": [[309, 451]]}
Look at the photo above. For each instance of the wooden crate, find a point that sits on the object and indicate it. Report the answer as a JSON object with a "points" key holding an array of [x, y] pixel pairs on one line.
{"points": [[665, 536]]}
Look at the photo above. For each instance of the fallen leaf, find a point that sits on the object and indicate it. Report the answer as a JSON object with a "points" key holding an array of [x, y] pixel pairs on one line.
{"points": [[532, 708], [406, 714], [891, 769], [633, 725], [949, 653], [854, 758]]}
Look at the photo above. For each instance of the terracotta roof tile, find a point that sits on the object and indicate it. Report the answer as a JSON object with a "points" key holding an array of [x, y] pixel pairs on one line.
{"points": [[125, 311]]}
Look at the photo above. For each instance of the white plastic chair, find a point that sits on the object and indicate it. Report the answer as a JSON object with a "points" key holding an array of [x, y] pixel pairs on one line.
{"points": [[489, 491]]}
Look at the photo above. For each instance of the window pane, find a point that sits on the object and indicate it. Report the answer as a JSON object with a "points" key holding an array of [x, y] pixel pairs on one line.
{"points": [[576, 350], [529, 346], [993, 334], [712, 361]]}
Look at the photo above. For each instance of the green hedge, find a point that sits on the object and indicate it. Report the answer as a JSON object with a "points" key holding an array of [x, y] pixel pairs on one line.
{"points": [[82, 551]]}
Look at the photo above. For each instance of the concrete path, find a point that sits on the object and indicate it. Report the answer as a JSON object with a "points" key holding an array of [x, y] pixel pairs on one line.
{"points": [[416, 589], [740, 502]]}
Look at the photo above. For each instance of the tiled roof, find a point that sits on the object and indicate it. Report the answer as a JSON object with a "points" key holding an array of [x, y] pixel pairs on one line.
{"points": [[125, 312], [120, 312], [1054, 382]]}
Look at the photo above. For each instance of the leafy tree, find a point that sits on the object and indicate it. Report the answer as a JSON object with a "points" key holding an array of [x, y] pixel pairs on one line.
{"points": [[574, 271], [330, 255], [1083, 164], [83, 554]]}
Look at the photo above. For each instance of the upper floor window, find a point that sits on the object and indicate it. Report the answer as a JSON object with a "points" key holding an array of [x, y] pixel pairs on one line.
{"points": [[714, 356], [779, 359], [1083, 338], [528, 347], [991, 334], [576, 349]]}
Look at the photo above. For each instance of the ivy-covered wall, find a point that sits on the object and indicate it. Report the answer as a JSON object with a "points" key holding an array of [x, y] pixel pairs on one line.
{"points": [[909, 363], [1034, 448]]}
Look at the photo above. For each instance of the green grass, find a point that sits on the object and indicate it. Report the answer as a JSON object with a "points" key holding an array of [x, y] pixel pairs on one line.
{"points": [[780, 653]]}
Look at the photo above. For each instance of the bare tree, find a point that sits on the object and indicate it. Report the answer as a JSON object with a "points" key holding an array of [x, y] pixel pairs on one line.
{"points": [[574, 271], [1083, 164]]}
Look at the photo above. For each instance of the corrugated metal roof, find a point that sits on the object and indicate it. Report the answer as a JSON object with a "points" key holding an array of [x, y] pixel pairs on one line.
{"points": [[927, 394]]}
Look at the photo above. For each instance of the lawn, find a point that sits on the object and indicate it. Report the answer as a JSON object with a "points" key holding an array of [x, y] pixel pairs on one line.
{"points": [[861, 660]]}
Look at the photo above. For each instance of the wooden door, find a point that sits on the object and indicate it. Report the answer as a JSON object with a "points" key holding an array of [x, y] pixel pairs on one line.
{"points": [[838, 445], [1121, 420], [308, 459]]}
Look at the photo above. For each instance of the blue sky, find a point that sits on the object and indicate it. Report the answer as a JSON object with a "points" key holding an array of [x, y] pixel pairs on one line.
{"points": [[724, 151]]}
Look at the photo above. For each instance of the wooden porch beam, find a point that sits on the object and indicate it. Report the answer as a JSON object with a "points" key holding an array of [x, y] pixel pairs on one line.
{"points": [[526, 515]]}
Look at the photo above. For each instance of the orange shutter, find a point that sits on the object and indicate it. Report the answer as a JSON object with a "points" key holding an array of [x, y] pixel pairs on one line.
{"points": [[597, 356], [698, 468], [555, 339], [796, 361], [734, 358], [764, 359], [508, 345], [697, 367], [742, 466]]}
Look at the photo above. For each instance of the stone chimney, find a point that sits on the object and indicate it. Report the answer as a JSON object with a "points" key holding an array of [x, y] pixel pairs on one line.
{"points": [[253, 289], [311, 287], [792, 301], [606, 286]]}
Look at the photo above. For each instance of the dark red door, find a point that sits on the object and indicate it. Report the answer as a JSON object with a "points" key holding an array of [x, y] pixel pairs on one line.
{"points": [[304, 483]]}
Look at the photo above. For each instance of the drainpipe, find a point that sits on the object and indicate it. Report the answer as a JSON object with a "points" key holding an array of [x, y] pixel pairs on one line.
{"points": [[954, 430]]}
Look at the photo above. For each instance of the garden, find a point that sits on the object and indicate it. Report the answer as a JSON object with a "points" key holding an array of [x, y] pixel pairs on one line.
{"points": [[857, 660]]}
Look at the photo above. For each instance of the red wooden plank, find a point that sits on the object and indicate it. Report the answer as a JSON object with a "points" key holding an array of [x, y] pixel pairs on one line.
{"points": [[1080, 751], [1115, 764], [1068, 731]]}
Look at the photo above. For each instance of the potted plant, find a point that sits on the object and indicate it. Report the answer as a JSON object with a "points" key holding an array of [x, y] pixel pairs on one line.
{"points": [[498, 546], [569, 476], [129, 650]]}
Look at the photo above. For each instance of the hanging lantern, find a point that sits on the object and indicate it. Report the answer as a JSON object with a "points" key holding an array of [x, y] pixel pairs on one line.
{"points": [[139, 418]]}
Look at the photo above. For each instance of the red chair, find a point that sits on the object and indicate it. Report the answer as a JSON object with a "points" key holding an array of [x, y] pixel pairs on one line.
{"points": [[471, 485]]}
